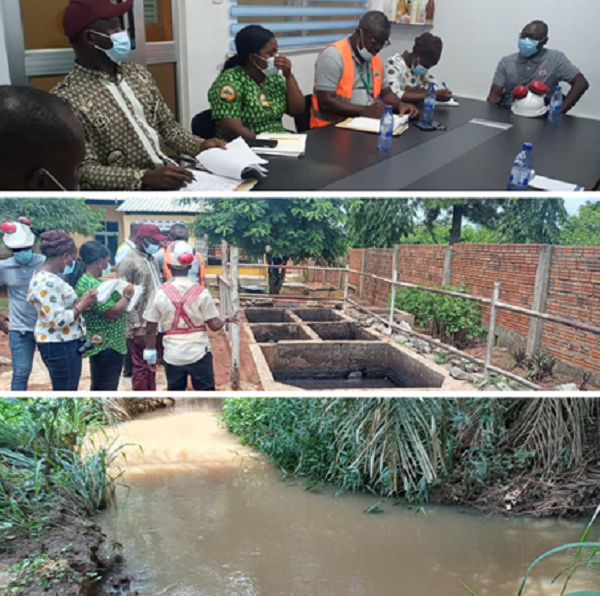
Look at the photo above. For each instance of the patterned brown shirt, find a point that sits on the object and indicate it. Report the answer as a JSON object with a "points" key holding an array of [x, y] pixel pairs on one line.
{"points": [[127, 123], [139, 269]]}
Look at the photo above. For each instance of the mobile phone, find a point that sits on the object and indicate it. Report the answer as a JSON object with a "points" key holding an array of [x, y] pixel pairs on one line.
{"points": [[266, 143], [427, 126]]}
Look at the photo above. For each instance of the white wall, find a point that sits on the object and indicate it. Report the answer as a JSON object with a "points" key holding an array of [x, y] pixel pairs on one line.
{"points": [[4, 74], [476, 34]]}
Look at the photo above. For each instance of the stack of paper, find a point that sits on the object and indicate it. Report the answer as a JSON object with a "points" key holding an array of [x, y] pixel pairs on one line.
{"points": [[105, 289], [292, 145], [204, 181], [373, 124], [120, 285], [236, 161]]}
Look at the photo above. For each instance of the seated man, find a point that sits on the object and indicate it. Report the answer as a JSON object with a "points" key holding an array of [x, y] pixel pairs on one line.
{"points": [[409, 73], [185, 309], [42, 142], [127, 123], [534, 62], [350, 79]]}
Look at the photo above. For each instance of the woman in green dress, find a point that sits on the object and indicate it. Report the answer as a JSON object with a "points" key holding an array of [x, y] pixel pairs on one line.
{"points": [[255, 89], [106, 322]]}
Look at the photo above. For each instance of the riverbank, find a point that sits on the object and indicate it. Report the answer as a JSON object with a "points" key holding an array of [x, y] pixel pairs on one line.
{"points": [[505, 456], [51, 486]]}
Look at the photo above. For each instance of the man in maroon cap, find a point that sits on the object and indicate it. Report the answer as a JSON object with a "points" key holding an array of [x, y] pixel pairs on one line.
{"points": [[140, 268], [410, 72], [128, 125]]}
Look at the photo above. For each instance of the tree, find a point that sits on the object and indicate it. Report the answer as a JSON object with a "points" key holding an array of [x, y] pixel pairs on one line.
{"points": [[71, 215], [583, 229], [293, 229], [532, 221], [483, 212], [379, 223]]}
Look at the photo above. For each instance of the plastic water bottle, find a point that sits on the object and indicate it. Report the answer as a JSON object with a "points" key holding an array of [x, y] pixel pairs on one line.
{"points": [[556, 104], [520, 175], [429, 104], [386, 130]]}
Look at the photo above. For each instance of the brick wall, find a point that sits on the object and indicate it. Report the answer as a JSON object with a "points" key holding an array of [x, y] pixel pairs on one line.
{"points": [[573, 291]]}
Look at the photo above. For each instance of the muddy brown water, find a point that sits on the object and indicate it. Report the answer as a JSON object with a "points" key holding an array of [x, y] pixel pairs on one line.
{"points": [[203, 515]]}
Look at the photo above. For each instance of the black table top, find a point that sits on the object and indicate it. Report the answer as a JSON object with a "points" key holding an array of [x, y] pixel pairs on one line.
{"points": [[567, 151]]}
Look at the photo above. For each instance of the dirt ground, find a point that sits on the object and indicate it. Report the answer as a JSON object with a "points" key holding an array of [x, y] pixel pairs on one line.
{"points": [[72, 546], [502, 358], [249, 380]]}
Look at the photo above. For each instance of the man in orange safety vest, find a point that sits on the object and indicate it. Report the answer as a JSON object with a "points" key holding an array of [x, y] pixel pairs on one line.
{"points": [[350, 79]]}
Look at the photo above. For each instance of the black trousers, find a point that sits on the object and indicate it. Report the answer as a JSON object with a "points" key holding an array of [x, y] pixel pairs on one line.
{"points": [[105, 369], [201, 372]]}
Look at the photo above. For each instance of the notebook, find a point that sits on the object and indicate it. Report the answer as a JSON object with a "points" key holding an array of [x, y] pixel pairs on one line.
{"points": [[373, 124], [292, 145]]}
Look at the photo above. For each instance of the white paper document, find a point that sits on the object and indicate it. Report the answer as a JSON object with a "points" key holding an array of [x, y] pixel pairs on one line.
{"points": [[233, 161], [205, 181], [543, 183], [292, 145], [106, 288], [137, 292], [451, 103]]}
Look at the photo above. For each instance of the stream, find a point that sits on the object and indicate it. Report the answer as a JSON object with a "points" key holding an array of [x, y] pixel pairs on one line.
{"points": [[203, 515]]}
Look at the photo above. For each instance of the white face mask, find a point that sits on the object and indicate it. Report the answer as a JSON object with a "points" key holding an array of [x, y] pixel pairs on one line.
{"points": [[363, 52], [270, 70]]}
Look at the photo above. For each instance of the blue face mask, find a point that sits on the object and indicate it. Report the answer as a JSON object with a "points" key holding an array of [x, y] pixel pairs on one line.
{"points": [[528, 47], [121, 45], [69, 269], [419, 70], [24, 257], [106, 270], [152, 249], [271, 70]]}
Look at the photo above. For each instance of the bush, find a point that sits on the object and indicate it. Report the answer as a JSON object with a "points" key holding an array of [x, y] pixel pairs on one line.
{"points": [[452, 320]]}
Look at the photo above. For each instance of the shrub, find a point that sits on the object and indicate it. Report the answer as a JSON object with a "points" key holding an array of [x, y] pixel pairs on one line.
{"points": [[453, 320]]}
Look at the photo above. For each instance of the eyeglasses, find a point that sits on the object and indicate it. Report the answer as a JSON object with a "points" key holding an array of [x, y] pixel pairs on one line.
{"points": [[377, 44]]}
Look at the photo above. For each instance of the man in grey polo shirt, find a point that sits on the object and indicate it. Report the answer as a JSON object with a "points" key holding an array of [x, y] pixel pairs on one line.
{"points": [[371, 36], [534, 62], [16, 273]]}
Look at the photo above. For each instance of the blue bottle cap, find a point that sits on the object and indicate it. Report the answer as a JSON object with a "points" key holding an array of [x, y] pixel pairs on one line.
{"points": [[527, 146]]}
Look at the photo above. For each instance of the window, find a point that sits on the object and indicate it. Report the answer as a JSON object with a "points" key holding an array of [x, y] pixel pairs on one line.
{"points": [[299, 23], [109, 236]]}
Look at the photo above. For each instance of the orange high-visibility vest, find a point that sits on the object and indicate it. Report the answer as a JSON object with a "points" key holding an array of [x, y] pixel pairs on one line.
{"points": [[346, 84], [168, 260]]}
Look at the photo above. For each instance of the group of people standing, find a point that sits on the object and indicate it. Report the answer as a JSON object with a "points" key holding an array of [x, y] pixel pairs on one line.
{"points": [[106, 126], [54, 306]]}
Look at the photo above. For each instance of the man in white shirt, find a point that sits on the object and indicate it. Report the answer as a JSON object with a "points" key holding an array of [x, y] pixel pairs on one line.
{"points": [[185, 309]]}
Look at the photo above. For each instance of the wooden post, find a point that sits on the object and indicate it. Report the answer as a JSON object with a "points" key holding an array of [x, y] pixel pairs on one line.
{"points": [[394, 280], [490, 341], [346, 280], [234, 329], [362, 277], [224, 259]]}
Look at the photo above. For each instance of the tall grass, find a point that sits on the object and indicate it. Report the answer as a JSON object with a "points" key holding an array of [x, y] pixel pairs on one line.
{"points": [[52, 452]]}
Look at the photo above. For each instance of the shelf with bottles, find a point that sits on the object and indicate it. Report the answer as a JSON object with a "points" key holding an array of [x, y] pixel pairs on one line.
{"points": [[414, 12]]}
